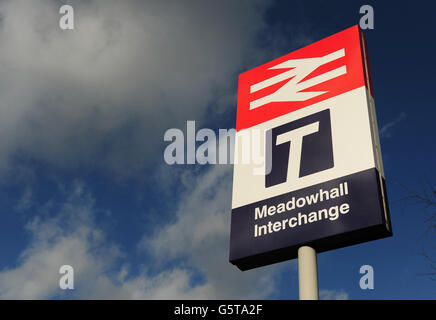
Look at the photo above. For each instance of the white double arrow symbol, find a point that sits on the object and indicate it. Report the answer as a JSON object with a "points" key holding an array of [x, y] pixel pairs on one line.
{"points": [[301, 68]]}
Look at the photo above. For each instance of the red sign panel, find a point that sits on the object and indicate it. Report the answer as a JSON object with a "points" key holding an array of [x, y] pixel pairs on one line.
{"points": [[317, 72]]}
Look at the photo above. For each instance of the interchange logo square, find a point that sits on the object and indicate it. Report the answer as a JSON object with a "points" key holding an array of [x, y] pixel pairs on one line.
{"points": [[300, 148]]}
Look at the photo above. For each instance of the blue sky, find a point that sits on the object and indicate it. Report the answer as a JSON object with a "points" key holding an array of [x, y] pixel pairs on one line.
{"points": [[82, 117]]}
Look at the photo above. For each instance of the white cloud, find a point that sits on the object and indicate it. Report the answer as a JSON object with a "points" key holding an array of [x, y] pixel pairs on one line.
{"points": [[69, 237], [200, 234], [386, 130], [26, 200], [333, 295], [198, 237], [104, 93]]}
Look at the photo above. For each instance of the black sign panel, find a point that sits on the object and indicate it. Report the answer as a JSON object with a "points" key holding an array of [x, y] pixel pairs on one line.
{"points": [[326, 216]]}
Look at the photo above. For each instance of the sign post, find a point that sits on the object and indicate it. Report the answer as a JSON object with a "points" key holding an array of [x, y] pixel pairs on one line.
{"points": [[309, 117], [307, 273]]}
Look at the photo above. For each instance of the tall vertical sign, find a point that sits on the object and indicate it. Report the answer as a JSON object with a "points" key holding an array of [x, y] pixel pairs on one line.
{"points": [[321, 181]]}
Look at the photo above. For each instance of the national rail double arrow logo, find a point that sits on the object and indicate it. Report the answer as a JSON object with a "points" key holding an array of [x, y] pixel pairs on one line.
{"points": [[296, 79]]}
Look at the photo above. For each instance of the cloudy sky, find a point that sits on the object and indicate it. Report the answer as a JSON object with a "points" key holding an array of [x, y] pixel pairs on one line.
{"points": [[83, 114]]}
